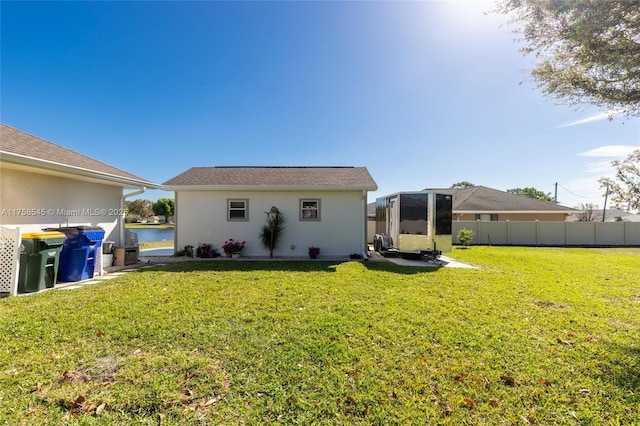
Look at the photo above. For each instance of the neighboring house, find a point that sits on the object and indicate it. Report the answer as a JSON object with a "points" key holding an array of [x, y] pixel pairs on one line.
{"points": [[487, 204], [45, 185], [155, 219], [480, 203], [610, 215], [323, 207]]}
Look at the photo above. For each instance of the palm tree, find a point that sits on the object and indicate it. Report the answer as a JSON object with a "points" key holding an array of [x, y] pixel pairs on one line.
{"points": [[272, 230]]}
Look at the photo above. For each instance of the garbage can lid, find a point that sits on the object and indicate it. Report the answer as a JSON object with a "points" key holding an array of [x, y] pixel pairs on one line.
{"points": [[89, 228], [43, 235], [77, 228]]}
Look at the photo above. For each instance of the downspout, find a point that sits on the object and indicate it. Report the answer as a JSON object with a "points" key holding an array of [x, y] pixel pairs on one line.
{"points": [[121, 227], [365, 247]]}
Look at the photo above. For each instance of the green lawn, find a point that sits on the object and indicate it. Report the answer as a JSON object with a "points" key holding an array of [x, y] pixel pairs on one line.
{"points": [[148, 225], [533, 336], [155, 244]]}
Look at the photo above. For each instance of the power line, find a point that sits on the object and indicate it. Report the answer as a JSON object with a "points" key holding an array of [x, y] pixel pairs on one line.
{"points": [[577, 195]]}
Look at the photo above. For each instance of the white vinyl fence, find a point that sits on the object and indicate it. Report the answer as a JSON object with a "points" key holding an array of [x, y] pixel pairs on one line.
{"points": [[551, 233], [9, 258]]}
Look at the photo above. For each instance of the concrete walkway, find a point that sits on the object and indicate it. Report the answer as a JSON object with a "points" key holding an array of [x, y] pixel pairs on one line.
{"points": [[160, 251], [442, 262], [110, 273]]}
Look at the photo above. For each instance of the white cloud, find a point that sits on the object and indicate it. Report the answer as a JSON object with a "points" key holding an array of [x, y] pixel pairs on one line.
{"points": [[586, 189], [610, 151], [600, 168], [581, 191], [596, 117]]}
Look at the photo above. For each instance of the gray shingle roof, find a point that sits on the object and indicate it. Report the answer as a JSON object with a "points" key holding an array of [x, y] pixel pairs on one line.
{"points": [[479, 199], [14, 141], [320, 177], [483, 199]]}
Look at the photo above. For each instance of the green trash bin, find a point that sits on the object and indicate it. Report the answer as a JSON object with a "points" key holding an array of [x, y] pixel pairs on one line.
{"points": [[39, 260]]}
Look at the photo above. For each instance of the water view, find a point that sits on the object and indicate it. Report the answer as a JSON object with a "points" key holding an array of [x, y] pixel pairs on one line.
{"points": [[146, 235]]}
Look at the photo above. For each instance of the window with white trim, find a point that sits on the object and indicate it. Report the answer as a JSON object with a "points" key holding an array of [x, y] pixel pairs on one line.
{"points": [[310, 209], [238, 210], [487, 217]]}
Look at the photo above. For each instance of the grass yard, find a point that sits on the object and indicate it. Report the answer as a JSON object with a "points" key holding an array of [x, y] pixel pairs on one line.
{"points": [[149, 225], [155, 244], [533, 336]]}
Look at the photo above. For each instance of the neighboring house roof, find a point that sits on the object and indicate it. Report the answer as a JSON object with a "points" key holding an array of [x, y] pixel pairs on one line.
{"points": [[277, 178], [21, 148], [480, 199]]}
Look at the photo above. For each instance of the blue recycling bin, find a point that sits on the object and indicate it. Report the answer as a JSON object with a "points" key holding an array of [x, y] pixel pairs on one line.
{"points": [[78, 256]]}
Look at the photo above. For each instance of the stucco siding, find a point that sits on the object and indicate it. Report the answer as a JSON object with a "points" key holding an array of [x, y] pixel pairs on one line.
{"points": [[36, 201], [201, 217]]}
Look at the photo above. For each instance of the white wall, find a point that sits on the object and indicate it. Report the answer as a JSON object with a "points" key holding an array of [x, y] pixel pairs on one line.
{"points": [[34, 201], [201, 217]]}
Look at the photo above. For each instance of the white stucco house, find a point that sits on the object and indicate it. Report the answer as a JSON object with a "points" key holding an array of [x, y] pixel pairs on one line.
{"points": [[44, 185], [324, 207]]}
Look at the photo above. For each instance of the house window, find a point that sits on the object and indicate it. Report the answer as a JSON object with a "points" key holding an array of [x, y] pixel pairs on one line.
{"points": [[238, 210], [487, 217], [309, 209]]}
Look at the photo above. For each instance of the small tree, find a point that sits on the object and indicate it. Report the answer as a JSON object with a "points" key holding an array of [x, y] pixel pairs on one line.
{"points": [[625, 187], [465, 236], [272, 231], [131, 218], [462, 185], [531, 193], [164, 207], [140, 207], [588, 213]]}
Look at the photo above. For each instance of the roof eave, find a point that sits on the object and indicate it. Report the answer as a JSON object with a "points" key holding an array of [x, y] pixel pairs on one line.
{"points": [[79, 171], [267, 188]]}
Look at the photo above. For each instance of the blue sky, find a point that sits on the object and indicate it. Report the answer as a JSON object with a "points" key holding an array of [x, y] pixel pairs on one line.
{"points": [[423, 94]]}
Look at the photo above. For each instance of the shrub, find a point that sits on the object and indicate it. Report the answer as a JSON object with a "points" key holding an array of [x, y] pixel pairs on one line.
{"points": [[271, 232], [186, 251], [231, 246], [314, 252], [465, 236], [207, 251]]}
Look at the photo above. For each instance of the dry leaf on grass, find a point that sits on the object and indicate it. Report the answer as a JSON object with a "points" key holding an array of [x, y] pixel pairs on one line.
{"points": [[75, 376], [468, 403], [446, 408], [76, 407], [100, 409], [509, 381]]}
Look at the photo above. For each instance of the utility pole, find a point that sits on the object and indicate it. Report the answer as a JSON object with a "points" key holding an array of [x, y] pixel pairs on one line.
{"points": [[604, 209], [555, 197]]}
